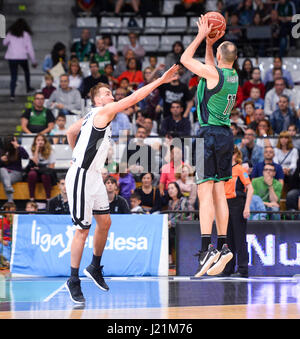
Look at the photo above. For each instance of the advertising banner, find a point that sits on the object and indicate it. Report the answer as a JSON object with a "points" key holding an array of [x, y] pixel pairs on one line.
{"points": [[137, 245]]}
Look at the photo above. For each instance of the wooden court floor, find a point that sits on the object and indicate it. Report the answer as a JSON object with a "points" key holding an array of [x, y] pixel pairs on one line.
{"points": [[153, 298]]}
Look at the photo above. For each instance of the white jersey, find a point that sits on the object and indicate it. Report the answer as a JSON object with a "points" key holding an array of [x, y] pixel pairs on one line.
{"points": [[92, 144]]}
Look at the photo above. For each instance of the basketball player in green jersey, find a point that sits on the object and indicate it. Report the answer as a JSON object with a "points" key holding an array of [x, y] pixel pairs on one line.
{"points": [[216, 95]]}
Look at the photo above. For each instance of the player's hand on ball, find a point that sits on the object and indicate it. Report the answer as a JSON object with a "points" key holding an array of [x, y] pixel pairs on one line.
{"points": [[218, 36], [203, 28]]}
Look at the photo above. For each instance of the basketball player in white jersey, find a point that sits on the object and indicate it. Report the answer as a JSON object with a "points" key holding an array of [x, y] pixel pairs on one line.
{"points": [[90, 139]]}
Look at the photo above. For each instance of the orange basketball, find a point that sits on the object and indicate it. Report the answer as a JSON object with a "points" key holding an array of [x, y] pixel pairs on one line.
{"points": [[218, 22]]}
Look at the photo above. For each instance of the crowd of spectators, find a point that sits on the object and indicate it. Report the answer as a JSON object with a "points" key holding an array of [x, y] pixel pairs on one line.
{"points": [[146, 172]]}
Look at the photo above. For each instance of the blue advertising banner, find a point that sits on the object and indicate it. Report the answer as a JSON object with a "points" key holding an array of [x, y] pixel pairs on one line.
{"points": [[137, 245]]}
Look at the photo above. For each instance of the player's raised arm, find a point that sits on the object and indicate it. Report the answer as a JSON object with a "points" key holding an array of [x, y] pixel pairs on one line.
{"points": [[187, 58], [108, 112]]}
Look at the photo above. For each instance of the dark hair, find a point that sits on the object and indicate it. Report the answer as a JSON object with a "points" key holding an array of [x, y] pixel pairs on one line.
{"points": [[54, 53], [135, 195], [143, 174], [12, 153], [19, 27], [179, 194], [111, 179], [178, 102]]}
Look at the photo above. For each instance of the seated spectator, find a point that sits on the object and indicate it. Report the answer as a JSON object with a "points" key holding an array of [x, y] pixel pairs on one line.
{"points": [[120, 125], [237, 133], [257, 205], [252, 153], [148, 105], [174, 56], [258, 169], [135, 203], [112, 81], [37, 119], [31, 206], [187, 6], [293, 194], [111, 165], [287, 156], [249, 109], [117, 204], [246, 13], [49, 88], [134, 75], [256, 82], [59, 204], [176, 125], [258, 116], [277, 63], [246, 71], [150, 196], [175, 91], [282, 117], [103, 56], [234, 32], [256, 98], [177, 202], [66, 99], [11, 156], [293, 131], [277, 74], [58, 54], [272, 96], [185, 74], [134, 45], [126, 183], [187, 184], [268, 189], [109, 44], [235, 118], [41, 166], [169, 169], [129, 6], [75, 74], [60, 129], [121, 65], [264, 131], [84, 49], [139, 156], [92, 80], [6, 223]]}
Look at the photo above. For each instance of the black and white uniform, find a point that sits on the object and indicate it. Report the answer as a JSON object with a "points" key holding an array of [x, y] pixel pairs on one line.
{"points": [[85, 188]]}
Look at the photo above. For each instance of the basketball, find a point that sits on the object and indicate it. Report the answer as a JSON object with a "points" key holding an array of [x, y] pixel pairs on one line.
{"points": [[218, 22]]}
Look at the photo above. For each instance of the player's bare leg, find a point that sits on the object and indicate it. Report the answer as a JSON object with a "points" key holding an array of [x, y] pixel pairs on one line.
{"points": [[94, 270], [222, 215], [208, 254]]}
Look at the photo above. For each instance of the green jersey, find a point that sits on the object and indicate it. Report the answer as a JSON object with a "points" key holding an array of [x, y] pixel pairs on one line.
{"points": [[215, 105]]}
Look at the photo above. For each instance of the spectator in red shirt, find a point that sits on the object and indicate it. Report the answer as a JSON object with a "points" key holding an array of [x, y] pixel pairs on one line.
{"points": [[255, 81], [134, 75], [168, 170]]}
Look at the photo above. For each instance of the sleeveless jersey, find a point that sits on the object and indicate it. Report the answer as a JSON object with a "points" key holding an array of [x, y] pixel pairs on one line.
{"points": [[92, 144], [215, 105]]}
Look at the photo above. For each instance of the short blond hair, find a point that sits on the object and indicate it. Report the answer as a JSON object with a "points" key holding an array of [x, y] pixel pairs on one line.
{"points": [[95, 90]]}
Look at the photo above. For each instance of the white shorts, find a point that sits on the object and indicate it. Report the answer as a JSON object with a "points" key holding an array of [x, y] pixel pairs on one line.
{"points": [[86, 195]]}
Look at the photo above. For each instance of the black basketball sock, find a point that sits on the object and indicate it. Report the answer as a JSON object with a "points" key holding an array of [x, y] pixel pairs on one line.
{"points": [[222, 239], [74, 273], [205, 241], [96, 260]]}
